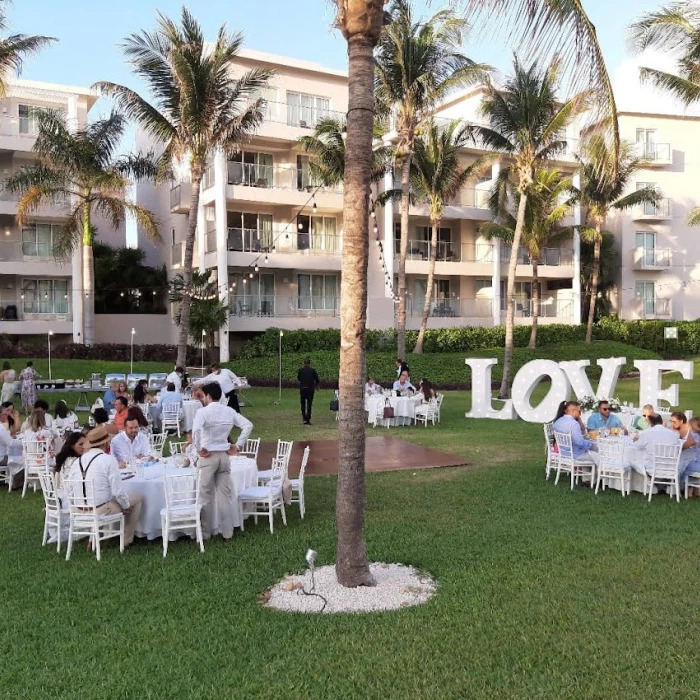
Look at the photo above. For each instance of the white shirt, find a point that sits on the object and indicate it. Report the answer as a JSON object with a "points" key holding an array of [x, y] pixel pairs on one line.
{"points": [[225, 378], [175, 379], [212, 425], [7, 442], [70, 422], [124, 449], [398, 386], [372, 389], [658, 435], [103, 472]]}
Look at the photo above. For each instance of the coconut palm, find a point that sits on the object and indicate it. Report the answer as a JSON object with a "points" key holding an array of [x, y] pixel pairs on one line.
{"points": [[548, 203], [605, 282], [601, 192], [526, 125], [79, 170], [198, 108], [418, 64]]}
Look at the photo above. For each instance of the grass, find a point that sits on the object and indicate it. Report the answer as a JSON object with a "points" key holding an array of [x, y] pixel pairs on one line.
{"points": [[543, 592]]}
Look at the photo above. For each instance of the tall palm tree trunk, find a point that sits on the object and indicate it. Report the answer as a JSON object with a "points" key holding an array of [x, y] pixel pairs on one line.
{"points": [[594, 283], [510, 297], [88, 280], [186, 303], [403, 246], [352, 565], [535, 304], [429, 291]]}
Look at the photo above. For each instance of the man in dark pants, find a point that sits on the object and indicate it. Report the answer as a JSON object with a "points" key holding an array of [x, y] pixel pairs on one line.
{"points": [[308, 383]]}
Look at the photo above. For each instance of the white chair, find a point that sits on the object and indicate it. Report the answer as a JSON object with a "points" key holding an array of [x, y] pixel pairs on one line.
{"points": [[177, 448], [170, 418], [250, 449], [336, 395], [146, 410], [427, 412], [552, 457], [378, 418], [284, 452], [440, 398], [664, 468], [692, 479], [298, 484], [182, 507], [612, 466], [157, 442], [84, 520], [54, 515], [577, 468], [36, 462], [265, 500], [6, 475]]}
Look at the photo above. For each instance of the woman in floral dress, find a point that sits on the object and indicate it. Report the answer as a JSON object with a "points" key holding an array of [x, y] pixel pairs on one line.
{"points": [[28, 375]]}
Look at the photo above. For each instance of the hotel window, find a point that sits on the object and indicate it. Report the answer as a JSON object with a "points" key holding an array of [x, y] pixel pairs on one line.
{"points": [[306, 110], [317, 233], [45, 296], [317, 292], [249, 233], [27, 124], [646, 293], [251, 168], [38, 240]]}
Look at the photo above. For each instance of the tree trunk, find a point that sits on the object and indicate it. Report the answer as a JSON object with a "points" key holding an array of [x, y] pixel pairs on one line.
{"points": [[594, 283], [429, 291], [88, 280], [535, 305], [352, 564], [510, 296], [403, 246], [185, 304]]}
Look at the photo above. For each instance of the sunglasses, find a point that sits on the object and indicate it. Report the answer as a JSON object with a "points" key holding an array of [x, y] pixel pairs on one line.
{"points": [[605, 409]]}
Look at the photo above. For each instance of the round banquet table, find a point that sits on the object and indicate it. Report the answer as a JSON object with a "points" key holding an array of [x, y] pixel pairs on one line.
{"points": [[244, 473], [404, 408], [189, 408]]}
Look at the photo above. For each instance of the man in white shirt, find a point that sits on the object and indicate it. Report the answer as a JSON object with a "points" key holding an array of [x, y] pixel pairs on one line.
{"points": [[102, 470], [228, 381], [372, 388], [175, 377], [403, 384], [656, 434], [130, 443], [210, 436]]}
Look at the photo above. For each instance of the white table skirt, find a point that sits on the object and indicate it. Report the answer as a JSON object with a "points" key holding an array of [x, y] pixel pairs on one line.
{"points": [[404, 408], [189, 408], [244, 473]]}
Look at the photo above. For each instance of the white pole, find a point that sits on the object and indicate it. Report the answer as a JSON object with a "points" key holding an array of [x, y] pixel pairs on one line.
{"points": [[279, 400], [203, 334], [133, 333], [48, 339]]}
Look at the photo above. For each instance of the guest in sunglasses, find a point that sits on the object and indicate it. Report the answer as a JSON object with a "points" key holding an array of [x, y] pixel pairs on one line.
{"points": [[604, 418]]}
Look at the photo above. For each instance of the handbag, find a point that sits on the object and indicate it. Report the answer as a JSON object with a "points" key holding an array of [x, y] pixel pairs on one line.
{"points": [[388, 409], [335, 405]]}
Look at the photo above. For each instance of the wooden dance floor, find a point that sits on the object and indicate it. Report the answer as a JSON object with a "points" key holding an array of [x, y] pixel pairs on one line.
{"points": [[382, 454]]}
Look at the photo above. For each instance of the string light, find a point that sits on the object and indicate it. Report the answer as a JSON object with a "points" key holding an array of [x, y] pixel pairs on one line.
{"points": [[257, 268], [266, 260], [314, 208]]}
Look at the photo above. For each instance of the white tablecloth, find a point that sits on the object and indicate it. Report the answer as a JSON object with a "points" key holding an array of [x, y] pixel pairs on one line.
{"points": [[189, 408], [404, 407], [244, 473]]}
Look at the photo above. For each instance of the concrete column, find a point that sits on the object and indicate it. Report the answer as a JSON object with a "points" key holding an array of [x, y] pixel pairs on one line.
{"points": [[576, 282], [220, 179], [77, 293], [201, 236], [496, 272], [388, 225]]}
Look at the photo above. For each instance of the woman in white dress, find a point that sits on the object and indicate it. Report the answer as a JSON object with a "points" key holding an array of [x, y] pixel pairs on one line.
{"points": [[65, 420], [34, 429], [8, 377]]}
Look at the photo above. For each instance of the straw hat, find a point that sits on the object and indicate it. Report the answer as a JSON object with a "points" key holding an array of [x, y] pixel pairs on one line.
{"points": [[98, 436]]}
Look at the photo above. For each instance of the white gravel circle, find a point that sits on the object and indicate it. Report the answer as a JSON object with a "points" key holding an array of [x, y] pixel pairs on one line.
{"points": [[398, 586]]}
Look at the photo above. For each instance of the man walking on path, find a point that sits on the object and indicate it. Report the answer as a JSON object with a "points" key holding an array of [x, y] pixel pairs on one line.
{"points": [[308, 383]]}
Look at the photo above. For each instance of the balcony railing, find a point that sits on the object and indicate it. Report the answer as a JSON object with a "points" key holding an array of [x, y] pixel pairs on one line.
{"points": [[277, 177], [652, 258], [548, 308], [177, 255], [660, 209], [654, 307], [448, 251], [175, 196], [253, 240], [548, 256], [470, 197], [262, 305], [297, 116], [35, 309], [249, 240], [316, 244], [451, 308], [16, 251], [653, 152]]}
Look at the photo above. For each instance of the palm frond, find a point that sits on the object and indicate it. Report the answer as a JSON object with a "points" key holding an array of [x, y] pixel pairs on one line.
{"points": [[687, 91], [693, 217]]}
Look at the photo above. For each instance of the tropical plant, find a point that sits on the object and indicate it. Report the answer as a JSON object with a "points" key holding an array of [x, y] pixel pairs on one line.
{"points": [[360, 22], [548, 204], [199, 107], [602, 188], [606, 267], [437, 176], [418, 64], [527, 124], [208, 312], [80, 171]]}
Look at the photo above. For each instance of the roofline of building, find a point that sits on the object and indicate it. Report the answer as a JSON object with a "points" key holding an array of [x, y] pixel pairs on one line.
{"points": [[88, 93], [275, 59]]}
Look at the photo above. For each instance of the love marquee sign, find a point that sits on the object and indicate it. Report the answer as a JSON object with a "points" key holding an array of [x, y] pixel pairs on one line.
{"points": [[565, 377]]}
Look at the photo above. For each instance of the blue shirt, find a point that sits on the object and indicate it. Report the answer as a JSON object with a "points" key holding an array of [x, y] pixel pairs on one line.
{"points": [[596, 421], [108, 400], [168, 397], [568, 424]]}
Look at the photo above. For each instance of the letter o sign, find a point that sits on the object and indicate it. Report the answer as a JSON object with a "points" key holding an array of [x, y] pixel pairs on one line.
{"points": [[527, 380]]}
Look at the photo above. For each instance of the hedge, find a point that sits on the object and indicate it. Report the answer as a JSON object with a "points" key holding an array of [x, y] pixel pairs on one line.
{"points": [[446, 371]]}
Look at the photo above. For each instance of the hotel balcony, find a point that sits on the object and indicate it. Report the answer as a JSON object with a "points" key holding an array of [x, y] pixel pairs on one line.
{"points": [[552, 263], [17, 134], [551, 310], [57, 209], [651, 259], [653, 212], [450, 313], [452, 258], [15, 261], [651, 308], [22, 317], [259, 312], [470, 203], [288, 122], [654, 155], [180, 196]]}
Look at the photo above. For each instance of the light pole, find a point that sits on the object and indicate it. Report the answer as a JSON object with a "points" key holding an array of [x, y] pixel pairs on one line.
{"points": [[133, 333], [279, 400], [48, 341], [204, 333]]}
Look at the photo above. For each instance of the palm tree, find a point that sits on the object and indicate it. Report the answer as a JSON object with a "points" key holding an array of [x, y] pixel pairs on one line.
{"points": [[548, 203], [80, 169], [606, 274], [526, 124], [198, 109], [601, 192], [418, 64]]}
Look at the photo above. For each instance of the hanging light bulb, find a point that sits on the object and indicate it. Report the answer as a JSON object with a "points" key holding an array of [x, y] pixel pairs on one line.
{"points": [[122, 294], [244, 280], [46, 295], [251, 275], [154, 293], [373, 214], [21, 296], [377, 242], [300, 226], [266, 260], [314, 208], [256, 268]]}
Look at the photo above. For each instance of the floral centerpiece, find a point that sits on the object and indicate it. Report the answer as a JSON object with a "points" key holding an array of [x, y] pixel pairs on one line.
{"points": [[590, 403]]}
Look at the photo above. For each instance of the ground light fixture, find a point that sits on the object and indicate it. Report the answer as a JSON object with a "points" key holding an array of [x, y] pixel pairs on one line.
{"points": [[48, 341], [311, 561], [133, 333]]}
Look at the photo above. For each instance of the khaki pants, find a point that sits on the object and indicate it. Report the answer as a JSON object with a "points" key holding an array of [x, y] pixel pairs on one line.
{"points": [[215, 482], [131, 515]]}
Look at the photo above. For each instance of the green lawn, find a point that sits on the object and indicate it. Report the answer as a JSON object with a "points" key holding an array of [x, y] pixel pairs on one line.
{"points": [[542, 592]]}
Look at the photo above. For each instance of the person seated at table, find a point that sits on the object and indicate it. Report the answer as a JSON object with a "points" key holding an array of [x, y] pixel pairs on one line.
{"points": [[122, 390], [657, 434], [425, 389], [100, 468], [136, 413], [130, 444], [690, 456], [170, 396], [73, 447], [584, 450], [142, 394], [48, 418], [604, 418], [14, 422], [372, 388], [122, 407], [109, 396], [65, 420], [642, 422], [35, 429], [9, 444], [680, 425], [403, 384], [101, 417]]}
